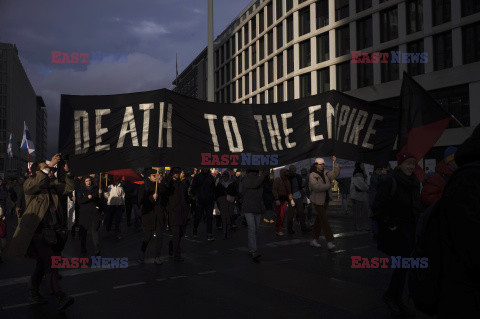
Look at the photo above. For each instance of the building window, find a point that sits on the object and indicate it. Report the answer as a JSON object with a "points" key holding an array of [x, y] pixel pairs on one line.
{"points": [[262, 75], [234, 92], [245, 34], [279, 36], [414, 16], [280, 93], [270, 70], [289, 28], [305, 85], [239, 41], [261, 21], [342, 39], [343, 77], [341, 9], [222, 76], [290, 66], [364, 33], [323, 50], [301, 1], [364, 74], [442, 48], [232, 40], [304, 21], [471, 43], [389, 24], [216, 80], [305, 54], [322, 13], [222, 54], [279, 9], [227, 71], [217, 62], [390, 71], [417, 67], [456, 100], [247, 59], [222, 96], [290, 90], [289, 5], [280, 66], [269, 14], [270, 42], [441, 11], [254, 80], [323, 80], [240, 58], [234, 69], [363, 5], [262, 98], [217, 97], [254, 27], [261, 54], [470, 7], [227, 49], [271, 97], [247, 84], [254, 54]]}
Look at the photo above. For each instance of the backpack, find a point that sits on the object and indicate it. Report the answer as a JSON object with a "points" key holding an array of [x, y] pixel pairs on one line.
{"points": [[424, 284]]}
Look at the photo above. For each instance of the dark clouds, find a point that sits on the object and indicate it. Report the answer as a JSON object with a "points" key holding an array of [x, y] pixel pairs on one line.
{"points": [[148, 32]]}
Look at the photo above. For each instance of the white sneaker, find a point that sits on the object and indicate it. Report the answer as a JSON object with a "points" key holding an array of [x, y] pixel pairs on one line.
{"points": [[280, 233], [315, 243], [331, 246], [158, 261]]}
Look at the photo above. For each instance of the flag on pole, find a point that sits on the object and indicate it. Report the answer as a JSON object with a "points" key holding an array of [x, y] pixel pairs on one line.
{"points": [[27, 143], [9, 148]]}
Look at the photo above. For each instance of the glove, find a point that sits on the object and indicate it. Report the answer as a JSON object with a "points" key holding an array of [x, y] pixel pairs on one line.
{"points": [[277, 202]]}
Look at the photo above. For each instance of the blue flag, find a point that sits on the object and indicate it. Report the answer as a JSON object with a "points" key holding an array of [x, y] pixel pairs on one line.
{"points": [[27, 143]]}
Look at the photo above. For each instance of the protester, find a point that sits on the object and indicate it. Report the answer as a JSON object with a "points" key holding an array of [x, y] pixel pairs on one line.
{"points": [[320, 183], [251, 194], [177, 209], [344, 185], [3, 195], [396, 208], [203, 190], [34, 231], [268, 199], [88, 198], [298, 194], [435, 183], [131, 196], [359, 196], [282, 193], [115, 196], [375, 180], [225, 195], [152, 198]]}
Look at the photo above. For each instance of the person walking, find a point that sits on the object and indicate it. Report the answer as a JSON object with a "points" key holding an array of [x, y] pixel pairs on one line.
{"points": [[88, 198], [37, 235], [251, 194], [115, 196], [306, 200], [397, 207], [298, 194], [152, 198], [320, 183], [268, 199], [225, 195], [375, 180], [203, 190], [359, 196], [282, 193], [177, 209]]}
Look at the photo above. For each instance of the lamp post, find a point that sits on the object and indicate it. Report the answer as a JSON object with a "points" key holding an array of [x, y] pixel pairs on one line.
{"points": [[210, 88]]}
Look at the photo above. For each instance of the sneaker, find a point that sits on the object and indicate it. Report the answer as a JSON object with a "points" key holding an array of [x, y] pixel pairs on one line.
{"points": [[331, 246], [141, 257], [36, 297], [256, 256], [210, 238], [392, 305], [280, 233], [315, 243], [64, 301], [158, 261]]}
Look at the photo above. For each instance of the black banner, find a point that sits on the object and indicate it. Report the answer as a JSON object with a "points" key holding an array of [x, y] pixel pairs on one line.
{"points": [[162, 128]]}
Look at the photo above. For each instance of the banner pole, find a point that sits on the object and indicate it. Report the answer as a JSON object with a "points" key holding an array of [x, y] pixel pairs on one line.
{"points": [[458, 122], [100, 181]]}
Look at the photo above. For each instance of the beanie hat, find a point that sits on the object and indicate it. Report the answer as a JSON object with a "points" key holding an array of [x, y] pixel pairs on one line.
{"points": [[402, 157], [449, 154]]}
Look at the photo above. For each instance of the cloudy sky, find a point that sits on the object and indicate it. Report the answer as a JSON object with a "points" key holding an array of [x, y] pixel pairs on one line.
{"points": [[145, 33]]}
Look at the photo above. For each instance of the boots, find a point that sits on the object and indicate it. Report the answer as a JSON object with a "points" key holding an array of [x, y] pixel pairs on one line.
{"points": [[64, 301], [36, 297]]}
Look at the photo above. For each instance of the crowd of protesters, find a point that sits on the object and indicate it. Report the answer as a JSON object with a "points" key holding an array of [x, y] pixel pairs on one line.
{"points": [[389, 204]]}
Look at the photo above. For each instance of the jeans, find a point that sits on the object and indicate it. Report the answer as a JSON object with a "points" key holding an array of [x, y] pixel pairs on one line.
{"points": [[253, 221], [207, 209]]}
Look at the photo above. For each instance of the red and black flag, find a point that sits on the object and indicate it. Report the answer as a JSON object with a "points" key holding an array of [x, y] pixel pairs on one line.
{"points": [[422, 120]]}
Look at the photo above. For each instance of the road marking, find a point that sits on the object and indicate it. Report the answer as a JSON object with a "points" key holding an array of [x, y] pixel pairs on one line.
{"points": [[207, 272], [161, 279], [177, 277], [338, 251], [363, 247], [19, 305], [85, 293], [130, 285]]}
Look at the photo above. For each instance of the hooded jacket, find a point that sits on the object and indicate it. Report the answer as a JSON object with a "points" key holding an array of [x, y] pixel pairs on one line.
{"points": [[359, 188], [319, 188], [251, 190], [281, 186]]}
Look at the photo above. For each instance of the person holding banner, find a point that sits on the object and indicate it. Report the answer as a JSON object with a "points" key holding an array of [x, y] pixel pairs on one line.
{"points": [[203, 190], [151, 198], [115, 196], [320, 183]]}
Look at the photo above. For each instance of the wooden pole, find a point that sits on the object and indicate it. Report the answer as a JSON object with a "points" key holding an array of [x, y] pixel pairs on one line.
{"points": [[100, 181], [106, 180], [458, 122]]}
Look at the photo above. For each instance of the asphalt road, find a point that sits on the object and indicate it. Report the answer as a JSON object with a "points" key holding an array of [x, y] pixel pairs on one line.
{"points": [[216, 280]]}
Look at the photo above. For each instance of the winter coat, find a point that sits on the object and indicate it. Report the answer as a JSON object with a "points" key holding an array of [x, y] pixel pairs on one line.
{"points": [[359, 188], [267, 196], [281, 186], [433, 188], [319, 188], [153, 211], [222, 191], [203, 187], [251, 193], [20, 202], [177, 206], [375, 180], [37, 201], [88, 213], [115, 195]]}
